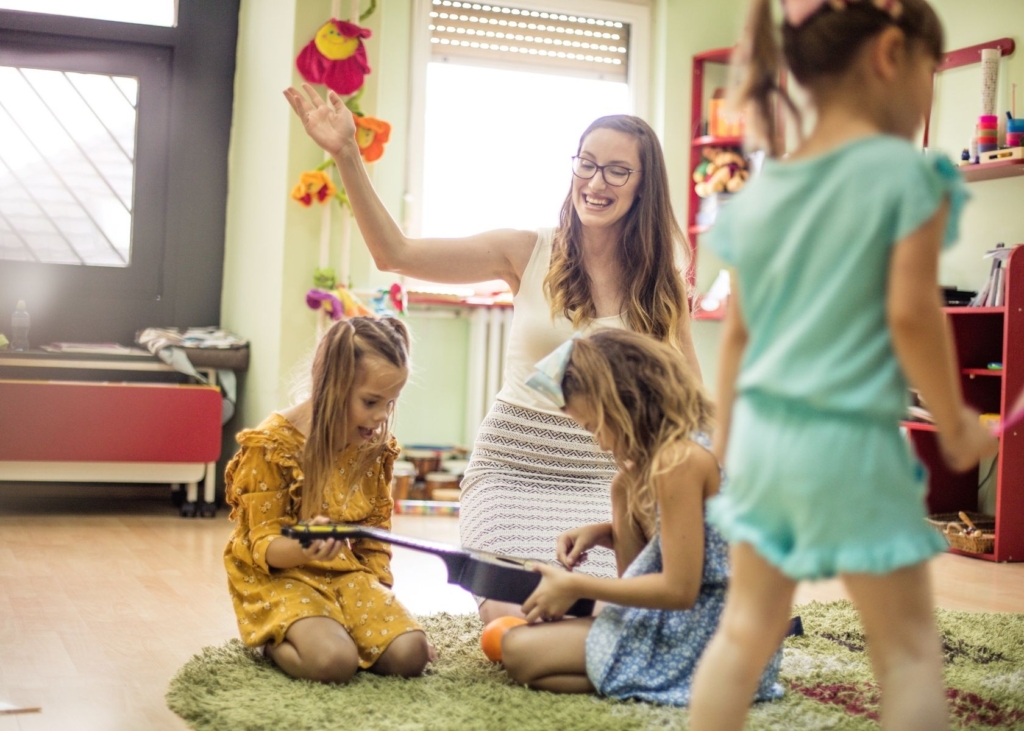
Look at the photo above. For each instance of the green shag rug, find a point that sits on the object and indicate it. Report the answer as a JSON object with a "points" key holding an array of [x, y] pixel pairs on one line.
{"points": [[826, 674]]}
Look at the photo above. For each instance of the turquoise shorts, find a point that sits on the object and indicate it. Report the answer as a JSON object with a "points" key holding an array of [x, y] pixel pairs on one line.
{"points": [[819, 494]]}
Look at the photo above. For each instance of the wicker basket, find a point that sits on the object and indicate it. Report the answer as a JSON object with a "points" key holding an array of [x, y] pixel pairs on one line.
{"points": [[961, 537]]}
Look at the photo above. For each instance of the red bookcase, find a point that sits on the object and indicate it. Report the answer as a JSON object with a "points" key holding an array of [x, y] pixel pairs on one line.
{"points": [[698, 142], [986, 335]]}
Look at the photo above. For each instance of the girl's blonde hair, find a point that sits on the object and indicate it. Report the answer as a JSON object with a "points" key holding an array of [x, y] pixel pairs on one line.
{"points": [[824, 45], [335, 370], [649, 251], [643, 392]]}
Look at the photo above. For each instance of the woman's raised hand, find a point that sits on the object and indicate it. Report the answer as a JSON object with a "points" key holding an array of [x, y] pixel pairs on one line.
{"points": [[329, 123]]}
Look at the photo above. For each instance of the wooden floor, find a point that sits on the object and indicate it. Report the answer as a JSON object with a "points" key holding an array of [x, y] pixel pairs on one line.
{"points": [[105, 592]]}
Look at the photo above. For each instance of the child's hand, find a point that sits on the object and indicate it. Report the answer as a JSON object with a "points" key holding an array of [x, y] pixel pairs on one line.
{"points": [[552, 597], [329, 124], [325, 550], [572, 546], [968, 444]]}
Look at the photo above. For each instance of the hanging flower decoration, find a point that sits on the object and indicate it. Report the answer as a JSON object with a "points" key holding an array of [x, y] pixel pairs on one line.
{"points": [[371, 134], [313, 186], [336, 57]]}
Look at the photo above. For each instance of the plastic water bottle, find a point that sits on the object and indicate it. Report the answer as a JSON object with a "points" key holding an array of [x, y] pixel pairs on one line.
{"points": [[19, 327]]}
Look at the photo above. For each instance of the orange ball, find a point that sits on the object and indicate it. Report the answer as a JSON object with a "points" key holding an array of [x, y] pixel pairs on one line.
{"points": [[490, 640]]}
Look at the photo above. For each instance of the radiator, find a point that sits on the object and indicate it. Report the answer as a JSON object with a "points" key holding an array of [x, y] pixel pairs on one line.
{"points": [[488, 339]]}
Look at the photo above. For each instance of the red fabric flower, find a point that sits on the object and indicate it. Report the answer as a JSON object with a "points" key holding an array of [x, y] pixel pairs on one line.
{"points": [[336, 57]]}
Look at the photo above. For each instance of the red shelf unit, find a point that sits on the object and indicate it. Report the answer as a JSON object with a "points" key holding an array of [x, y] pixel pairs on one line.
{"points": [[699, 141], [986, 335]]}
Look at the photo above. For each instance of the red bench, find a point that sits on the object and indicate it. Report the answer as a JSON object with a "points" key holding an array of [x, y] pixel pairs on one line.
{"points": [[110, 432]]}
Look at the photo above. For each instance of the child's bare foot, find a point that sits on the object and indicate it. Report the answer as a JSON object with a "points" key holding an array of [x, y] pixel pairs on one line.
{"points": [[968, 444], [431, 653]]}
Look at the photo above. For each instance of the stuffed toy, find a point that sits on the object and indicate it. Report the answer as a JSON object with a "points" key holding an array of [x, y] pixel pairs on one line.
{"points": [[336, 57], [726, 172]]}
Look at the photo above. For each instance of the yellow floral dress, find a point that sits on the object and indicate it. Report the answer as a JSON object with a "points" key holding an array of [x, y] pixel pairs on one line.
{"points": [[263, 486]]}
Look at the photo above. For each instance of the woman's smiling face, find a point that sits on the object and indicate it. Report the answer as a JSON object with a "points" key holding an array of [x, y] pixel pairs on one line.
{"points": [[598, 204]]}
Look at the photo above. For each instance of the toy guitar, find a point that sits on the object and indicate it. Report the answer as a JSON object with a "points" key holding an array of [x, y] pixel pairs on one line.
{"points": [[490, 575]]}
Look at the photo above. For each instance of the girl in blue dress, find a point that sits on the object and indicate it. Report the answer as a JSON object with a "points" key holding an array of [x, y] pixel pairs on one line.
{"points": [[835, 310], [642, 404]]}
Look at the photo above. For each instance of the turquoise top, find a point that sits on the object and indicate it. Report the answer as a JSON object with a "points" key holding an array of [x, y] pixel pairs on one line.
{"points": [[810, 241]]}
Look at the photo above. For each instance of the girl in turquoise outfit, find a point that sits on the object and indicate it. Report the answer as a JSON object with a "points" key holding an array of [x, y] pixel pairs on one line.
{"points": [[642, 404], [835, 309]]}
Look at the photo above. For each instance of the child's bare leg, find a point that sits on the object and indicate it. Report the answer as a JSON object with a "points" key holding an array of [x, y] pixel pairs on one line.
{"points": [[550, 656], [490, 610], [752, 628], [316, 648], [406, 656], [903, 643]]}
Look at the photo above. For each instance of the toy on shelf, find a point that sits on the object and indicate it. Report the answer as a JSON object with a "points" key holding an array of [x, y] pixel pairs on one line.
{"points": [[723, 170]]}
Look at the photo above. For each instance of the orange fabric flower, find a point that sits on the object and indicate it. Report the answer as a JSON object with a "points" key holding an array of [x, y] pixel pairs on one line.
{"points": [[313, 185], [371, 134]]}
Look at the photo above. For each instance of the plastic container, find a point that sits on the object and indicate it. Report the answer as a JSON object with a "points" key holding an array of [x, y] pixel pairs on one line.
{"points": [[19, 327]]}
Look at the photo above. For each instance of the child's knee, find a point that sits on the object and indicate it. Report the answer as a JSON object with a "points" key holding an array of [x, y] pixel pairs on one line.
{"points": [[754, 630], [332, 664], [515, 654], [408, 655]]}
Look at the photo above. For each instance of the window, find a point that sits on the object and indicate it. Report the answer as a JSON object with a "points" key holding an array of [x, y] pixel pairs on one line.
{"points": [[150, 177], [83, 164], [144, 12], [67, 156], [505, 93]]}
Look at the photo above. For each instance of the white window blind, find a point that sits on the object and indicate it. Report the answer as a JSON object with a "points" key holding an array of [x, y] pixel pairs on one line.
{"points": [[563, 43]]}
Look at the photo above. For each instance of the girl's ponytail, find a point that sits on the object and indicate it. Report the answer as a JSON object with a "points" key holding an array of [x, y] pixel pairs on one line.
{"points": [[757, 65], [334, 371]]}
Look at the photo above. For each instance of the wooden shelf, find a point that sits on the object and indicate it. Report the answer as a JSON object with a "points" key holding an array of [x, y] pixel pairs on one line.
{"points": [[996, 336], [711, 140], [992, 170], [974, 310], [919, 426], [983, 372]]}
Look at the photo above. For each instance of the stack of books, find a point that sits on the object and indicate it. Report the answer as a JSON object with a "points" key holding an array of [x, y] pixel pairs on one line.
{"points": [[993, 294]]}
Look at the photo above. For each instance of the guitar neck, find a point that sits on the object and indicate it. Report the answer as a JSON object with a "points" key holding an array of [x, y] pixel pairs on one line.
{"points": [[417, 544]]}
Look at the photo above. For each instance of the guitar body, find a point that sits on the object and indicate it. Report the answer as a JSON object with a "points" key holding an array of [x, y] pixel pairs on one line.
{"points": [[490, 575]]}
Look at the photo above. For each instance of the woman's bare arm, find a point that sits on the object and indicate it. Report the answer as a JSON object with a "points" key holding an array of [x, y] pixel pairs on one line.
{"points": [[500, 254]]}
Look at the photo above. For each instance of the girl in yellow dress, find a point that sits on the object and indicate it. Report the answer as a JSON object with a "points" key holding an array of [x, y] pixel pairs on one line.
{"points": [[325, 611]]}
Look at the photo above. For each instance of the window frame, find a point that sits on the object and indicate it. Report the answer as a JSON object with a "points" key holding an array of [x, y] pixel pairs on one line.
{"points": [[637, 14], [152, 66]]}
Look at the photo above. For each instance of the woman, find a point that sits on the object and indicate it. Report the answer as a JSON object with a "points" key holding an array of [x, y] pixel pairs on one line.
{"points": [[612, 262]]}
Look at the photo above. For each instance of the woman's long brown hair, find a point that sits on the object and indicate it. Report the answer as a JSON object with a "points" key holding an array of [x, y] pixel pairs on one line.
{"points": [[646, 396], [649, 252], [335, 370]]}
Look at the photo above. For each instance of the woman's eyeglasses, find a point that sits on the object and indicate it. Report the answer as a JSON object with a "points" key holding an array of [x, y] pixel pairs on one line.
{"points": [[614, 175]]}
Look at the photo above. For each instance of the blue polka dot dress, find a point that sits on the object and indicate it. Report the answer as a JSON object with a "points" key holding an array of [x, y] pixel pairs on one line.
{"points": [[652, 654]]}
